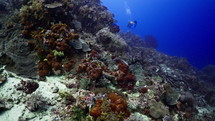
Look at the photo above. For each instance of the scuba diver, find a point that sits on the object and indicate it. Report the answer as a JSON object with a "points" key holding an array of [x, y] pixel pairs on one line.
{"points": [[132, 24]]}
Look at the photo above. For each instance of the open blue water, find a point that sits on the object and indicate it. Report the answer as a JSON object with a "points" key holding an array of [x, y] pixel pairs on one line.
{"points": [[183, 28]]}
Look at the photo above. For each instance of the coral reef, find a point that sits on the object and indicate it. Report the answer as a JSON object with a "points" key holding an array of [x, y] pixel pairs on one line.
{"points": [[69, 63]]}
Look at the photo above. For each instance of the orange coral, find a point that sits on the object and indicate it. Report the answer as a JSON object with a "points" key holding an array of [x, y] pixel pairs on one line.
{"points": [[96, 110], [117, 105], [113, 97]]}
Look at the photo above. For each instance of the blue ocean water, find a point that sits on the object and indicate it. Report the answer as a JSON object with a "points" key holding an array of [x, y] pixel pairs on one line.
{"points": [[183, 28]]}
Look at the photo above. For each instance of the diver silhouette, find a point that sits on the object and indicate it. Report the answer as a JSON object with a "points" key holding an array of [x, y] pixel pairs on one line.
{"points": [[132, 24]]}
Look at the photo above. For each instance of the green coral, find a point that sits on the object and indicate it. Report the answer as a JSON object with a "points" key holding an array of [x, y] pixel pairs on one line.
{"points": [[78, 114], [67, 96], [84, 83], [170, 96], [58, 53], [157, 109]]}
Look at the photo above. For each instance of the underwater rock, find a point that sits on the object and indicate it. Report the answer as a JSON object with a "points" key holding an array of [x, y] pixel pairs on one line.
{"points": [[132, 40], [85, 47], [76, 44], [168, 118], [210, 97], [2, 106], [2, 79], [77, 24], [36, 101], [3, 6], [91, 14], [1, 25], [80, 44], [27, 86], [188, 98], [111, 41], [208, 73]]}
